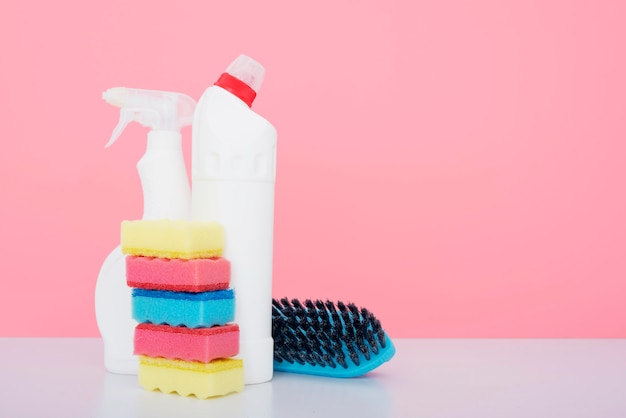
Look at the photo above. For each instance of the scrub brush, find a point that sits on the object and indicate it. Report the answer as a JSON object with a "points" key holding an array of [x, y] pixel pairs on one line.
{"points": [[324, 339]]}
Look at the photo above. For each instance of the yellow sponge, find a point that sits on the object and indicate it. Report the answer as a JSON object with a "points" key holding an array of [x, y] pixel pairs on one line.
{"points": [[204, 380], [166, 238]]}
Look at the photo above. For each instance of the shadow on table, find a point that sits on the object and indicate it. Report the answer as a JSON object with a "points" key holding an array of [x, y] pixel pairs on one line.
{"points": [[287, 395]]}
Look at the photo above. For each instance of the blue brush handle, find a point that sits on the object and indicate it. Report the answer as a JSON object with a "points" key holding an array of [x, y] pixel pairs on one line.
{"points": [[365, 365]]}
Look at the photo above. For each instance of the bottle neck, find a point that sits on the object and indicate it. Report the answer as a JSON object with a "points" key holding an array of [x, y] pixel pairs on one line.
{"points": [[164, 140], [237, 87], [163, 175]]}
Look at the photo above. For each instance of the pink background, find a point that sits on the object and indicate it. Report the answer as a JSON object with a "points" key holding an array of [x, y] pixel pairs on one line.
{"points": [[457, 167]]}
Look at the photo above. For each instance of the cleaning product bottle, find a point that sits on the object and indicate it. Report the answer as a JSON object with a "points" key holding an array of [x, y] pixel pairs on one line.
{"points": [[166, 195], [233, 167]]}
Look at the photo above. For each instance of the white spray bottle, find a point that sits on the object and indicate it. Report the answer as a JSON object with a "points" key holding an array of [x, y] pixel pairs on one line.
{"points": [[166, 195], [233, 172]]}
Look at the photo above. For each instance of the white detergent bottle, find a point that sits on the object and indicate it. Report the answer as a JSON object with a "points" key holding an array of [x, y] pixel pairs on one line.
{"points": [[166, 195], [233, 170]]}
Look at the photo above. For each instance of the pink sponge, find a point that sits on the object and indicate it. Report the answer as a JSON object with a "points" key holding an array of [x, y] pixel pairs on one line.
{"points": [[189, 344], [178, 275]]}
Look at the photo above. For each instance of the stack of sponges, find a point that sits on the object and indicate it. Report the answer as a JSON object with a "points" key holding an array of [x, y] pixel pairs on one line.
{"points": [[181, 298]]}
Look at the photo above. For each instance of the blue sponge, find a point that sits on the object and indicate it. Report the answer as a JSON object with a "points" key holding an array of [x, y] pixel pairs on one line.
{"points": [[192, 310]]}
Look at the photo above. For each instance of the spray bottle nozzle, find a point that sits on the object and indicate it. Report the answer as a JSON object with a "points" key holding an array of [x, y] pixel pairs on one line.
{"points": [[158, 110]]}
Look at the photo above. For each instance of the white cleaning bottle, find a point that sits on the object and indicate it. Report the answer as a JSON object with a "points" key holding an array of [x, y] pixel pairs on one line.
{"points": [[166, 195], [233, 170]]}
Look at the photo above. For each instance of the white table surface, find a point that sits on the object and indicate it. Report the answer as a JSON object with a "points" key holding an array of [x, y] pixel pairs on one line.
{"points": [[65, 377]]}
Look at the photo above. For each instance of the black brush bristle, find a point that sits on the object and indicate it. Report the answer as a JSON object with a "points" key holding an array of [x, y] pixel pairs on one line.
{"points": [[322, 333]]}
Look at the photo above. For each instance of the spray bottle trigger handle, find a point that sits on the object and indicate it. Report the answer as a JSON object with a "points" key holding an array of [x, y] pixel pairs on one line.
{"points": [[146, 117], [125, 118]]}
